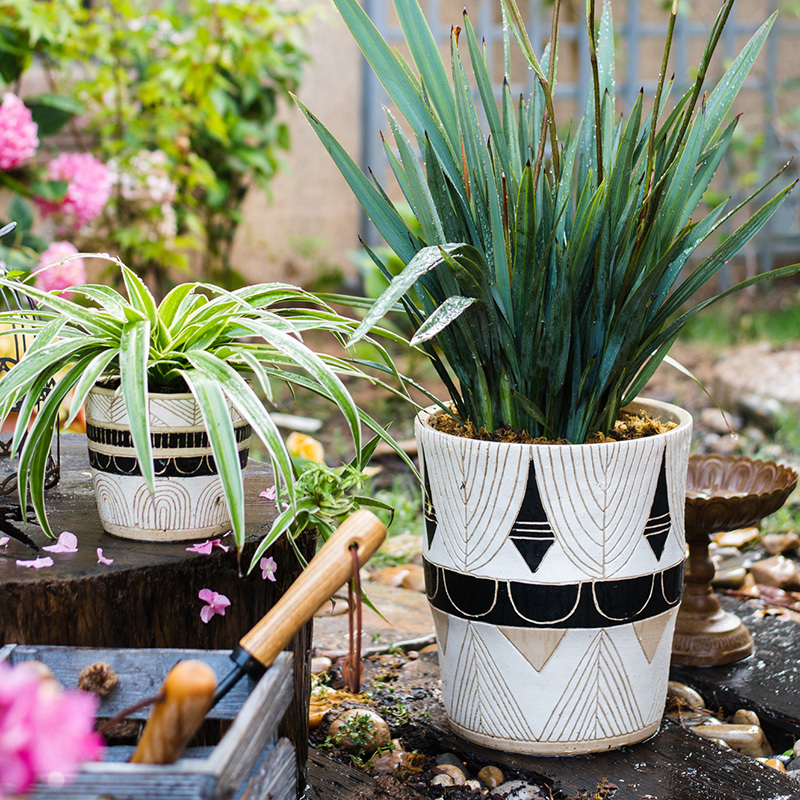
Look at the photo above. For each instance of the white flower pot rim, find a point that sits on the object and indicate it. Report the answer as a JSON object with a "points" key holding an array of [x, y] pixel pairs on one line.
{"points": [[667, 413]]}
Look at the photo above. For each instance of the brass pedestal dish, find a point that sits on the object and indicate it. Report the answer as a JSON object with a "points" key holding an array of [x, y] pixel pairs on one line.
{"points": [[722, 494]]}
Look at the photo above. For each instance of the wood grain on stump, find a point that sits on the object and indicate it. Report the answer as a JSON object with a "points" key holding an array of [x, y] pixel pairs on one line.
{"points": [[149, 596]]}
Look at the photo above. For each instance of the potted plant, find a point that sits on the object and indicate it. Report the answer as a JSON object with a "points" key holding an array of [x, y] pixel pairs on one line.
{"points": [[170, 392], [548, 282]]}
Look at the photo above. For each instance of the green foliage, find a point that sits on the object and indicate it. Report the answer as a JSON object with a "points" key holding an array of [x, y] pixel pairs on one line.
{"points": [[220, 345], [198, 81], [549, 275]]}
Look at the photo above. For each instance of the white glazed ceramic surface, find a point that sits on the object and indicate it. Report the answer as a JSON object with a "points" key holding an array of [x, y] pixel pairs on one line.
{"points": [[554, 574], [189, 501]]}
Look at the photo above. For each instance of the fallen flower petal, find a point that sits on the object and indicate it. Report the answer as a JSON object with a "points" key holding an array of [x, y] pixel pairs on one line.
{"points": [[67, 543], [218, 543], [216, 604], [204, 548], [268, 567], [4, 540], [36, 563], [270, 494], [101, 559]]}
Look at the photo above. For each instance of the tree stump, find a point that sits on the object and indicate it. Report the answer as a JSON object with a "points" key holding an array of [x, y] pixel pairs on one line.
{"points": [[148, 597]]}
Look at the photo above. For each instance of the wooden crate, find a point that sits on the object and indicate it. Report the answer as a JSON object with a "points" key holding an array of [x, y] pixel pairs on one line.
{"points": [[250, 762]]}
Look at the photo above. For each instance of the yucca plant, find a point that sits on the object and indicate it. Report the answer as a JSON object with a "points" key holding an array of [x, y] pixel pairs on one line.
{"points": [[553, 270], [218, 344]]}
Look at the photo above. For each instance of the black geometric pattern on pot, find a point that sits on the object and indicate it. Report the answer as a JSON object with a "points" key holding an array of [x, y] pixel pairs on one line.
{"points": [[122, 438], [428, 511], [532, 533], [587, 604], [659, 522], [188, 467]]}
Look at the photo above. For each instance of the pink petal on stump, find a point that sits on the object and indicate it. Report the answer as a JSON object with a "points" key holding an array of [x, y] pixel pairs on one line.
{"points": [[67, 543]]}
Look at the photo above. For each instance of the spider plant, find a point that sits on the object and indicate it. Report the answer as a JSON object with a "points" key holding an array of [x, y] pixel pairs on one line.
{"points": [[220, 345], [552, 272]]}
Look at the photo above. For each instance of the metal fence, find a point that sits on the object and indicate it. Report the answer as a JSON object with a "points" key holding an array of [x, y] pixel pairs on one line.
{"points": [[640, 28]]}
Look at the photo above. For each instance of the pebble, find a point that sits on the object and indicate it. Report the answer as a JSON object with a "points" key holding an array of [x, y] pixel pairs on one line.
{"points": [[721, 444], [746, 717], [749, 740], [796, 749], [777, 571], [729, 578], [473, 785], [442, 780], [778, 543], [450, 758], [379, 733], [491, 777], [773, 762], [685, 694], [690, 718], [517, 790], [320, 664], [456, 774], [793, 765], [409, 576], [754, 434], [737, 538]]}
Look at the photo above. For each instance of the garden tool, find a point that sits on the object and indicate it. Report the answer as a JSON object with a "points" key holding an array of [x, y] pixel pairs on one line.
{"points": [[187, 694]]}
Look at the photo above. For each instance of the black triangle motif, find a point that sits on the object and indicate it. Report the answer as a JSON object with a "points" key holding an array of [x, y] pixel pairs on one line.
{"points": [[532, 533], [428, 511], [658, 524]]}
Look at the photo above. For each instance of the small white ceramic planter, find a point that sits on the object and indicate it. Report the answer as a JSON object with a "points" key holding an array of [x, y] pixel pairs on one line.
{"points": [[189, 502], [554, 573]]}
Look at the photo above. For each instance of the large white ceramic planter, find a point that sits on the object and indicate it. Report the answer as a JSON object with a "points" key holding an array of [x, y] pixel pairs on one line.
{"points": [[189, 501], [554, 573]]}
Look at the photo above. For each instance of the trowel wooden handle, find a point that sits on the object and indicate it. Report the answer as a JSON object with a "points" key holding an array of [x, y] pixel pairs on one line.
{"points": [[331, 567], [187, 694]]}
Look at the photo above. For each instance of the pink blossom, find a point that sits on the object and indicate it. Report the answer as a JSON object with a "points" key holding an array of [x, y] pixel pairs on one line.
{"points": [[45, 733], [67, 543], [36, 563], [206, 547], [270, 494], [268, 567], [4, 540], [53, 275], [217, 603], [88, 189], [18, 139], [101, 559]]}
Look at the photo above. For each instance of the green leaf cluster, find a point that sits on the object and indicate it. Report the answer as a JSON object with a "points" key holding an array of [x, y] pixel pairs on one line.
{"points": [[225, 347], [551, 275]]}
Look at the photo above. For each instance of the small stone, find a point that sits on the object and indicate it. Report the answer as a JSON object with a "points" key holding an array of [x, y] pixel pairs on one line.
{"points": [[777, 571], [796, 749], [491, 777], [516, 790], [473, 785], [690, 718], [320, 664], [721, 444], [721, 743], [685, 695], [746, 717], [793, 765], [773, 762], [729, 578], [746, 739], [737, 538], [409, 576], [719, 555], [450, 758], [717, 421], [778, 543], [456, 773], [359, 730], [442, 780], [754, 434]]}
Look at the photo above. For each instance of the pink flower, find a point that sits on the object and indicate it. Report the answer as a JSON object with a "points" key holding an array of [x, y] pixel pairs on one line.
{"points": [[45, 733], [89, 186], [67, 543], [101, 559], [217, 603], [270, 494], [268, 567], [36, 563], [57, 276], [206, 547], [4, 540], [18, 139]]}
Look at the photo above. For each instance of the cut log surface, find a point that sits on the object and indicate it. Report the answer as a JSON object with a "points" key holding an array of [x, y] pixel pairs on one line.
{"points": [[148, 596]]}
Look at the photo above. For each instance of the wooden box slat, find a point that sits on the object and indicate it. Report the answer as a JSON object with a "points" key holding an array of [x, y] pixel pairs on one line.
{"points": [[256, 710]]}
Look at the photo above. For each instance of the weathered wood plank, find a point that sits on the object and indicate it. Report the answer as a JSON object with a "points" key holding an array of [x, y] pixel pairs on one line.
{"points": [[236, 755], [141, 673], [672, 765], [768, 682], [332, 780], [276, 777]]}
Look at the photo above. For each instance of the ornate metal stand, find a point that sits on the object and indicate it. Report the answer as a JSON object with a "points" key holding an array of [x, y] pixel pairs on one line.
{"points": [[722, 494]]}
